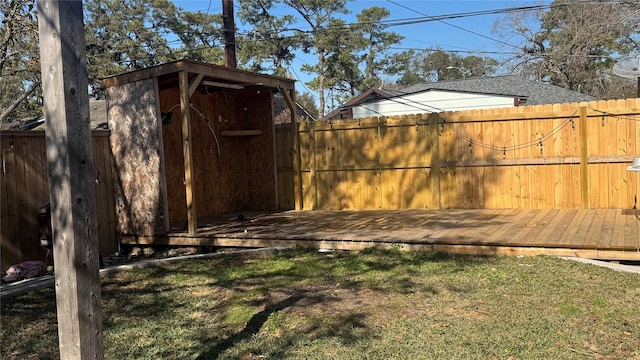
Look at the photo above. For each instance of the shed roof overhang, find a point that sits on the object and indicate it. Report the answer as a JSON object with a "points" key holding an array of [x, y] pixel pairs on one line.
{"points": [[224, 77]]}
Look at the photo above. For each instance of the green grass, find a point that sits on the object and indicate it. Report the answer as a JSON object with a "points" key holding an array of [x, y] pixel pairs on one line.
{"points": [[299, 304]]}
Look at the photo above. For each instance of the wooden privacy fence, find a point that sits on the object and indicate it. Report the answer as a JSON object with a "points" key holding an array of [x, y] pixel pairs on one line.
{"points": [[547, 156], [24, 188]]}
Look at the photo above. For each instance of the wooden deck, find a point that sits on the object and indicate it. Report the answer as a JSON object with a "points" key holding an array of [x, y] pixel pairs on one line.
{"points": [[596, 233]]}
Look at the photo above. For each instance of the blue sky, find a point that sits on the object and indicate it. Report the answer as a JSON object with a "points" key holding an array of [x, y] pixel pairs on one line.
{"points": [[468, 34]]}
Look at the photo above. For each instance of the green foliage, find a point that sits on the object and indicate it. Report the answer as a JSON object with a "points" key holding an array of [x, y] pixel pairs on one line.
{"points": [[267, 41], [19, 62], [376, 41], [307, 101], [319, 16], [576, 44], [125, 35], [415, 67]]}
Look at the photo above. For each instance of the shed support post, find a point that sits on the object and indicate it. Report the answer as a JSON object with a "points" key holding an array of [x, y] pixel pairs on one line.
{"points": [[192, 217], [71, 181], [584, 158]]}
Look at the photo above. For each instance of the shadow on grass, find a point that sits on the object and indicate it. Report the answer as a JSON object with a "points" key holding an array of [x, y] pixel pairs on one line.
{"points": [[343, 327], [144, 305], [36, 312]]}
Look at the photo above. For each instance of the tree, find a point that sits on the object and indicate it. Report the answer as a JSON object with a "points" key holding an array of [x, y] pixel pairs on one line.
{"points": [[377, 42], [307, 101], [576, 43], [350, 56], [342, 75], [415, 67], [125, 35], [401, 65], [319, 14], [19, 62], [267, 42], [134, 34], [357, 54], [200, 34]]}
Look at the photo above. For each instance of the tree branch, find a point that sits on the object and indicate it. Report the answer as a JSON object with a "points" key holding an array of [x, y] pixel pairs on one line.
{"points": [[5, 113]]}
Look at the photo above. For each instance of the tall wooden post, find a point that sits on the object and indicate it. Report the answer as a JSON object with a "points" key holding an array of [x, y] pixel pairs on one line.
{"points": [[185, 111], [314, 166], [229, 29], [70, 157], [436, 196], [290, 98]]}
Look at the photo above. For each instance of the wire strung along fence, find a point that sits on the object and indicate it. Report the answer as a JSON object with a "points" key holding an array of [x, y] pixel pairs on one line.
{"points": [[565, 156]]}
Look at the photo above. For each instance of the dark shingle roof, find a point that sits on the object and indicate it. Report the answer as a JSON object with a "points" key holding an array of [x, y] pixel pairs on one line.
{"points": [[535, 92]]}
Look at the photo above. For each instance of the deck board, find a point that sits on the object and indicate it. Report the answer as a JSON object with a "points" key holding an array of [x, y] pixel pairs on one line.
{"points": [[554, 229], [578, 228], [595, 229], [632, 232], [593, 233], [606, 232], [618, 232], [526, 231]]}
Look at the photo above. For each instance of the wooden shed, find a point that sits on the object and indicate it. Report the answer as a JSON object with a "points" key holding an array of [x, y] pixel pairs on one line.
{"points": [[191, 141]]}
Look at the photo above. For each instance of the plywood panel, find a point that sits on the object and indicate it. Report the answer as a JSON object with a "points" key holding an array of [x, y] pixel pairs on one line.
{"points": [[135, 145]]}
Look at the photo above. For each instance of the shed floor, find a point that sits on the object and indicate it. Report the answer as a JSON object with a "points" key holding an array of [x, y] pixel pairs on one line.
{"points": [[595, 233]]}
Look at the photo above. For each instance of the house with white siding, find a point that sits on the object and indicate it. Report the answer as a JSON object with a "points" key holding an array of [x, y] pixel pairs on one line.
{"points": [[456, 95]]}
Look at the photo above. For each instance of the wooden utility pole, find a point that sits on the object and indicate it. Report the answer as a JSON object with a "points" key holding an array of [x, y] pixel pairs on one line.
{"points": [[70, 157], [229, 29]]}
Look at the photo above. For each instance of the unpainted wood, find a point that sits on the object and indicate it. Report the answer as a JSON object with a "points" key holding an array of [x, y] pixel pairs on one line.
{"points": [[72, 189], [24, 185], [485, 231], [530, 157], [187, 149], [220, 73], [135, 147]]}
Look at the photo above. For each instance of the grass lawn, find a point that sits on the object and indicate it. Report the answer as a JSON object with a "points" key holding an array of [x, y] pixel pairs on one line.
{"points": [[299, 304]]}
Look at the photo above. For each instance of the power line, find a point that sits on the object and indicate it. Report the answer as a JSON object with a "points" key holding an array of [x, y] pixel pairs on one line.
{"points": [[302, 82], [454, 26]]}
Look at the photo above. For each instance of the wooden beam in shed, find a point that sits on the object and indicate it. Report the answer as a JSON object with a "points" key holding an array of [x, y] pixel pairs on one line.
{"points": [[71, 187], [289, 97], [194, 84], [192, 217]]}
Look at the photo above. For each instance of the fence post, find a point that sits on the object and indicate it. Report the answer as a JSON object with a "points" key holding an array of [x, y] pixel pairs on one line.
{"points": [[435, 160], [584, 159], [290, 99], [314, 179]]}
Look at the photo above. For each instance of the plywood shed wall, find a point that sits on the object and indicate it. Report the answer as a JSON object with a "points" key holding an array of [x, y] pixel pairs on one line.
{"points": [[233, 151], [136, 147]]}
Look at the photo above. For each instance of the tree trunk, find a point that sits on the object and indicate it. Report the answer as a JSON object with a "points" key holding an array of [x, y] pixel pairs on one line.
{"points": [[321, 84]]}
